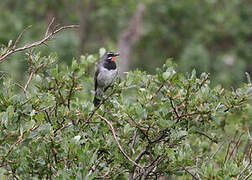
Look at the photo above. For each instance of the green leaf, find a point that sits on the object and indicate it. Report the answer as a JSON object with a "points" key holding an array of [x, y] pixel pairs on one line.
{"points": [[75, 65], [10, 111], [30, 124], [40, 117], [169, 73], [182, 133], [5, 118], [77, 138], [102, 51], [9, 43]]}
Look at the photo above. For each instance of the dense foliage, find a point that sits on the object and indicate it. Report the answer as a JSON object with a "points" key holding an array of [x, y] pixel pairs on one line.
{"points": [[162, 125]]}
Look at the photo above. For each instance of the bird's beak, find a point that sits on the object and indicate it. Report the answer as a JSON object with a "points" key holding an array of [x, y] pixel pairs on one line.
{"points": [[113, 58]]}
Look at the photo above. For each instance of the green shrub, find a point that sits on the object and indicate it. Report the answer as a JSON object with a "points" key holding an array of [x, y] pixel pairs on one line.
{"points": [[148, 126]]}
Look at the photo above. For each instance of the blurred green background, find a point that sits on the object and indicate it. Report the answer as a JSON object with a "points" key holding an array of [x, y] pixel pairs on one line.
{"points": [[207, 35]]}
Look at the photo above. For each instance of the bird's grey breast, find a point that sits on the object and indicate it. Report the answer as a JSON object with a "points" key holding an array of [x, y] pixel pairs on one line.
{"points": [[106, 77]]}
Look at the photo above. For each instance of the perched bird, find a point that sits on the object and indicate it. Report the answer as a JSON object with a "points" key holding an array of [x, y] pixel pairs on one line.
{"points": [[104, 76]]}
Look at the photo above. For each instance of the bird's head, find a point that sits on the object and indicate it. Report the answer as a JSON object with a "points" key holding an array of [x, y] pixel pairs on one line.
{"points": [[111, 56]]}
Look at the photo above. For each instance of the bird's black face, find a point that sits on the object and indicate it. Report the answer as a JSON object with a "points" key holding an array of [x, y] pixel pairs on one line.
{"points": [[110, 60], [111, 56]]}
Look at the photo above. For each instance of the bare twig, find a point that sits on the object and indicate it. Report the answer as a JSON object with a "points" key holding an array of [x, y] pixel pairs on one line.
{"points": [[93, 168], [203, 82], [153, 166], [227, 152], [139, 156], [248, 176], [132, 145], [236, 145], [20, 86], [20, 36], [203, 134], [3, 75], [217, 150], [117, 142], [63, 127], [20, 139], [229, 145], [193, 176], [28, 81], [174, 109], [105, 176], [49, 26], [47, 37], [155, 94], [138, 127], [187, 98], [71, 92], [246, 167]]}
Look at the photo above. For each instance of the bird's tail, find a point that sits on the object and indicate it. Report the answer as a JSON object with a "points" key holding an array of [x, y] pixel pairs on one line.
{"points": [[96, 101]]}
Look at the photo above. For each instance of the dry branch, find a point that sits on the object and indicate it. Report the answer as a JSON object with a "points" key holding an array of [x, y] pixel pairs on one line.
{"points": [[193, 176], [117, 142], [239, 177], [46, 37]]}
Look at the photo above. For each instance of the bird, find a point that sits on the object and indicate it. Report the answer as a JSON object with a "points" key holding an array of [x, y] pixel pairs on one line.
{"points": [[105, 75]]}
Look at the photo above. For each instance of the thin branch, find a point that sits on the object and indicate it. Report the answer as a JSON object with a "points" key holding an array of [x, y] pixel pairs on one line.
{"points": [[20, 86], [139, 156], [28, 81], [117, 142], [144, 151], [243, 171], [37, 43], [246, 167], [217, 150], [187, 98], [163, 136], [236, 145], [71, 92], [20, 139], [153, 165], [63, 127], [137, 126], [174, 109], [202, 83], [20, 36], [193, 176], [229, 145], [248, 176], [132, 145], [203, 134], [227, 152], [3, 75], [105, 176], [93, 168], [49, 27], [155, 94]]}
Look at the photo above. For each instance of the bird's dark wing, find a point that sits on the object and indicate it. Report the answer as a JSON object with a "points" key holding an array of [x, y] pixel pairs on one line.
{"points": [[95, 78]]}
